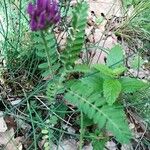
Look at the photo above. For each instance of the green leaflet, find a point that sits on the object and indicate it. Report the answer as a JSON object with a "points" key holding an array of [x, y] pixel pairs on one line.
{"points": [[115, 57], [45, 45], [83, 68], [104, 70], [98, 140], [76, 37], [117, 124], [130, 85], [94, 81], [119, 71], [107, 72], [111, 90], [49, 57], [51, 91], [99, 144], [93, 105], [43, 66], [53, 120], [136, 62]]}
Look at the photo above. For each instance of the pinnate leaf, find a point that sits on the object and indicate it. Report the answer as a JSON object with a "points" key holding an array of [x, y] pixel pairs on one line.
{"points": [[111, 117], [106, 71], [130, 85]]}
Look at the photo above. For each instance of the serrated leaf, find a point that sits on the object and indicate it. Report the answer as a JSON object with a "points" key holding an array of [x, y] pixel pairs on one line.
{"points": [[119, 125], [136, 62], [75, 19], [82, 68], [119, 71], [94, 81], [111, 90], [130, 85], [106, 71], [115, 57], [111, 117], [98, 144]]}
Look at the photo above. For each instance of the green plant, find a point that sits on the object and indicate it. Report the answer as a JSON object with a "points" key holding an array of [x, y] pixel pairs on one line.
{"points": [[48, 133], [128, 3], [136, 26], [17, 49], [76, 37], [96, 90], [102, 102], [98, 95]]}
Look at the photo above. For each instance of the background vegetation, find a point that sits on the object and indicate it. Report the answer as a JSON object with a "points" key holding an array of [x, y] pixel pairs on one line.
{"points": [[45, 92]]}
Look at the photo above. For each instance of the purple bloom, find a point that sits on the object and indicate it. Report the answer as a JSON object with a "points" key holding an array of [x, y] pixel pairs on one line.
{"points": [[43, 13]]}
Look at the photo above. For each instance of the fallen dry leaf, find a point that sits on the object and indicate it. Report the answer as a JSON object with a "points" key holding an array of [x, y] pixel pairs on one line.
{"points": [[8, 141], [3, 126], [107, 7], [111, 145]]}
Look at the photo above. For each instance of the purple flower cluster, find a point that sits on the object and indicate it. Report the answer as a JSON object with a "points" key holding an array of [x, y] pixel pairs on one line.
{"points": [[43, 13]]}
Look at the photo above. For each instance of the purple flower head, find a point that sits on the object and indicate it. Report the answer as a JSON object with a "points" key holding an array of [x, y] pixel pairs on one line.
{"points": [[43, 13]]}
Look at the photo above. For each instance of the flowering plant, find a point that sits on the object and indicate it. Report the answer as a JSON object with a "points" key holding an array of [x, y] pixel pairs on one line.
{"points": [[43, 14]]}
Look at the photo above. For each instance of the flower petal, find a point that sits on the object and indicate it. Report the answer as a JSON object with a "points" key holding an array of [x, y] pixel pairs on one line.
{"points": [[42, 20], [31, 9], [43, 13], [41, 4], [57, 18], [54, 6], [48, 6], [33, 24]]}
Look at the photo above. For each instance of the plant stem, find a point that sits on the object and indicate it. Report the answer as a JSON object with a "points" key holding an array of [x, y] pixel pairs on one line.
{"points": [[47, 53], [32, 123], [81, 131]]}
